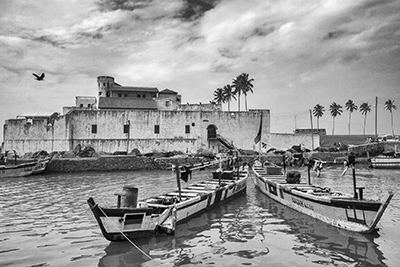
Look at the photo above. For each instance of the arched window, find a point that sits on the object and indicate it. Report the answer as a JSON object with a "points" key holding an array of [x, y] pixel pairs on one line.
{"points": [[211, 131]]}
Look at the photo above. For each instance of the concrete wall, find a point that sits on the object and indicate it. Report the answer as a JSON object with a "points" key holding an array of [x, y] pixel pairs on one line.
{"points": [[75, 128]]}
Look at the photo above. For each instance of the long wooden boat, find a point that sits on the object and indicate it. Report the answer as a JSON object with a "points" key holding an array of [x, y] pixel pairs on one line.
{"points": [[160, 214], [353, 213], [385, 162], [24, 169]]}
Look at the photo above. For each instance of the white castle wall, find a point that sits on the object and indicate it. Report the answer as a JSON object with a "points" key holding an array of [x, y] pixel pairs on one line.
{"points": [[75, 128]]}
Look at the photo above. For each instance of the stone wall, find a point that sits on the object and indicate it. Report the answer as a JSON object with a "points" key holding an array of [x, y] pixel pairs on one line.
{"points": [[116, 163]]}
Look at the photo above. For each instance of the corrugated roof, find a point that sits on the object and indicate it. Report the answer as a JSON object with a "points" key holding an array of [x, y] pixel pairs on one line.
{"points": [[126, 103], [134, 89]]}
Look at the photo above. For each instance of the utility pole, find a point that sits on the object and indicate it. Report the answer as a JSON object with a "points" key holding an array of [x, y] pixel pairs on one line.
{"points": [[376, 116], [312, 132]]}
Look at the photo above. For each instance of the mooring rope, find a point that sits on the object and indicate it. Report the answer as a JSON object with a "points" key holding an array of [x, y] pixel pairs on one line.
{"points": [[130, 241]]}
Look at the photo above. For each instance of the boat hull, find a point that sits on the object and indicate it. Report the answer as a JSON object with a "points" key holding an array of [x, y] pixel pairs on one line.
{"points": [[385, 163], [120, 224], [336, 209], [24, 169]]}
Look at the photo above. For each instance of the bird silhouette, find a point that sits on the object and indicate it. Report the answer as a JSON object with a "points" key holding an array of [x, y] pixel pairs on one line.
{"points": [[38, 78]]}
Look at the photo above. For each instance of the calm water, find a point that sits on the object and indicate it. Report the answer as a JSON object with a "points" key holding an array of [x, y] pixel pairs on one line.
{"points": [[45, 221]]}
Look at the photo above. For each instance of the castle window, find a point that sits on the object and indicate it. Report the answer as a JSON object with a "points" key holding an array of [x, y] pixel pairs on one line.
{"points": [[187, 129], [81, 105], [156, 129], [143, 96], [139, 96], [126, 128], [167, 103], [94, 128], [88, 105], [99, 93], [119, 95], [125, 95]]}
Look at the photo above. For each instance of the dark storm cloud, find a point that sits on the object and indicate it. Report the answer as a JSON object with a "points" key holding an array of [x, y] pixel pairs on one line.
{"points": [[194, 9], [129, 5]]}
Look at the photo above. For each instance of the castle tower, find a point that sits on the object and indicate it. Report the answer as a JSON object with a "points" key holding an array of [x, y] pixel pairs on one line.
{"points": [[104, 83]]}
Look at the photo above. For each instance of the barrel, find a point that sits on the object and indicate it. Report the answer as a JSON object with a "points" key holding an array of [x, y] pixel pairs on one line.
{"points": [[130, 196]]}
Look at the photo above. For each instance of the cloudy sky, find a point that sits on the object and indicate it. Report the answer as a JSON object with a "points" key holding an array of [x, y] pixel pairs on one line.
{"points": [[299, 53]]}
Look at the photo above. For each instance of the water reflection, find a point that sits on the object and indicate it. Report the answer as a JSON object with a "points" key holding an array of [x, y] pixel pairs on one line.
{"points": [[45, 221], [334, 246]]}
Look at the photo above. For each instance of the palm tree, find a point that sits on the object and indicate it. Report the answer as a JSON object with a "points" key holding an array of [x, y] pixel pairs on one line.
{"points": [[350, 106], [228, 95], [336, 110], [364, 109], [242, 84], [318, 112], [389, 105], [247, 86], [219, 96]]}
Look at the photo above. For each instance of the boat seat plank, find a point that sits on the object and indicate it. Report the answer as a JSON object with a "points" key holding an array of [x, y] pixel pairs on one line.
{"points": [[196, 187], [216, 182], [183, 194], [195, 191]]}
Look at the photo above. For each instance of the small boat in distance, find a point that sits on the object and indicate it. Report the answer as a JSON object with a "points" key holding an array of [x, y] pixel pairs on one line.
{"points": [[160, 214], [385, 162], [353, 213], [24, 169]]}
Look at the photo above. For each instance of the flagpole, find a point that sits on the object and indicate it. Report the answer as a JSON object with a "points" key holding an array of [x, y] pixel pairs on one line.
{"points": [[260, 137]]}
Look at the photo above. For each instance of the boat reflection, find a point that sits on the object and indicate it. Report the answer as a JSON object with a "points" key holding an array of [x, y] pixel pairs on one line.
{"points": [[315, 237]]}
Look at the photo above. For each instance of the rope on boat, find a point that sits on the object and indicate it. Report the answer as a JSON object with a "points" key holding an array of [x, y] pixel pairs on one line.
{"points": [[130, 241]]}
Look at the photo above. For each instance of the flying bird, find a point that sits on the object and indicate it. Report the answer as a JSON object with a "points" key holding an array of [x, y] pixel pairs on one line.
{"points": [[39, 78]]}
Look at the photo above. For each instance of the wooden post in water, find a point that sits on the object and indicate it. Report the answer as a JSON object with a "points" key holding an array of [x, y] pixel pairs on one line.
{"points": [[352, 162], [284, 164], [237, 164], [178, 179], [354, 182], [220, 171], [130, 196]]}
